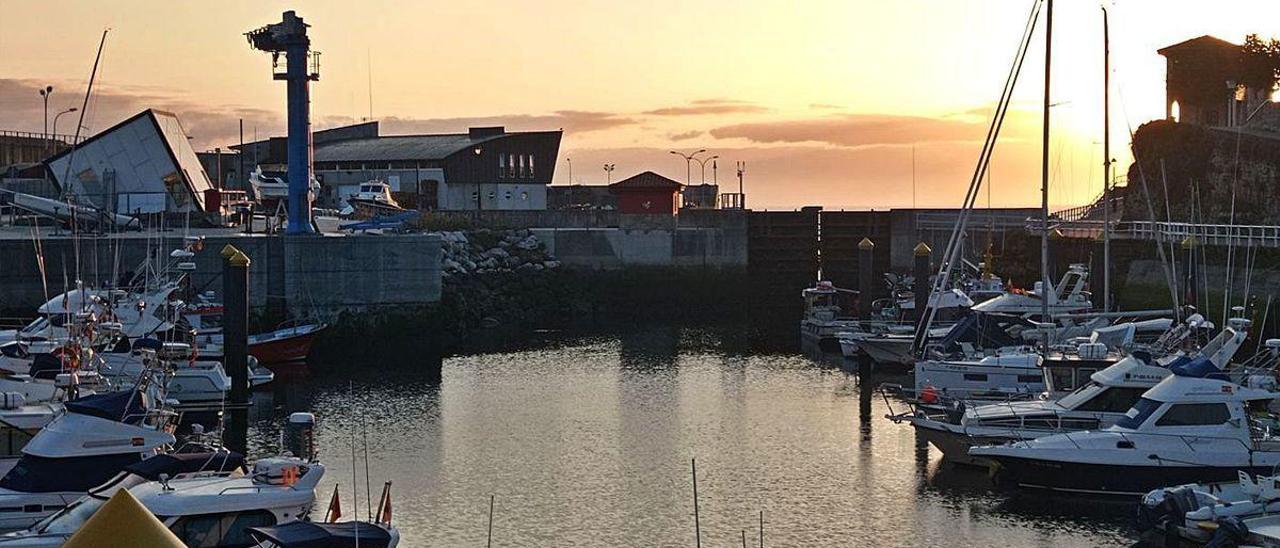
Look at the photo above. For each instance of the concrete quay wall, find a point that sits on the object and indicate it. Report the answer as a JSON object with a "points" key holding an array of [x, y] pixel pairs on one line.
{"points": [[613, 248], [325, 274]]}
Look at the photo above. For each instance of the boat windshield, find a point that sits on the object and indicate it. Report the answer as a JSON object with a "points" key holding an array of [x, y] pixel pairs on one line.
{"points": [[1139, 414], [70, 519], [1081, 395]]}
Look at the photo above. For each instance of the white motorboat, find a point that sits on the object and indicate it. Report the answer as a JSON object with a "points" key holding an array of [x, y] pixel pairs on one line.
{"points": [[92, 441], [1068, 297], [1186, 429], [271, 185], [1101, 402], [213, 505], [1019, 371]]}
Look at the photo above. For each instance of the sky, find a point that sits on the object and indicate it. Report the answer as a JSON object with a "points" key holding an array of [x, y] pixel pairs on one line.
{"points": [[826, 101]]}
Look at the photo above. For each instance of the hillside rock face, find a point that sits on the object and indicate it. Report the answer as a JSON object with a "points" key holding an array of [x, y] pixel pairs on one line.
{"points": [[1199, 170]]}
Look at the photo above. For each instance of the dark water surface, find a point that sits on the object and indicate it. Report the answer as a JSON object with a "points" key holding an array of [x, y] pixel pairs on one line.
{"points": [[587, 442]]}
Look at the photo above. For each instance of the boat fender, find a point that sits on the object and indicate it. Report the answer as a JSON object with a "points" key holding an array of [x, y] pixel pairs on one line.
{"points": [[929, 395]]}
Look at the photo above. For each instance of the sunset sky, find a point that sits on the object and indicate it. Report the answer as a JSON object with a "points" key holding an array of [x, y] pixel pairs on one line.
{"points": [[824, 100]]}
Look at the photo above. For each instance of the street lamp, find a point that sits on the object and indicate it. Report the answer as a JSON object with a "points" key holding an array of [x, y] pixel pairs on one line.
{"points": [[702, 163], [54, 135], [569, 161], [45, 93], [688, 159], [608, 173], [474, 176]]}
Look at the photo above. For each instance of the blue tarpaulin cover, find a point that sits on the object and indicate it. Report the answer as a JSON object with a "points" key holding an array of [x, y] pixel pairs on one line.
{"points": [[185, 463], [124, 406]]}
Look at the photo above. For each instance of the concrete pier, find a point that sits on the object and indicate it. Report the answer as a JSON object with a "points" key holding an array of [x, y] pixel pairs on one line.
{"points": [[326, 274]]}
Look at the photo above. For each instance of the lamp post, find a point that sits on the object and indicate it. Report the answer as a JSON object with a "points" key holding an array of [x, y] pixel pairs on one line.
{"points": [[45, 93], [54, 134], [475, 176], [688, 160], [608, 173], [702, 163], [570, 162]]}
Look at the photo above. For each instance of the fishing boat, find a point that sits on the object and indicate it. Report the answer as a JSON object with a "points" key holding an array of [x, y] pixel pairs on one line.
{"points": [[371, 200], [826, 315], [1186, 429]]}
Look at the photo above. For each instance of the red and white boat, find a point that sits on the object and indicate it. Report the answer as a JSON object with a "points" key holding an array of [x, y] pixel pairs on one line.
{"points": [[289, 343]]}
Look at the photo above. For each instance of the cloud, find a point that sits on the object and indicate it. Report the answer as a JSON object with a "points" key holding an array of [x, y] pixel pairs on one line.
{"points": [[860, 130], [709, 106], [685, 135], [208, 125], [824, 106], [572, 121]]}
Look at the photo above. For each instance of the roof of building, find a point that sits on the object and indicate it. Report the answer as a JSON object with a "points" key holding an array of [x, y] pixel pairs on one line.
{"points": [[405, 147], [646, 180], [1199, 43]]}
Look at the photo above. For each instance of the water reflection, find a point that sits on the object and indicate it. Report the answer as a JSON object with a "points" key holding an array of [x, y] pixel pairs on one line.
{"points": [[586, 442]]}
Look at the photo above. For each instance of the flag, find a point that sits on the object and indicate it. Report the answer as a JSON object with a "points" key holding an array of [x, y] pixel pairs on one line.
{"points": [[335, 507], [384, 516]]}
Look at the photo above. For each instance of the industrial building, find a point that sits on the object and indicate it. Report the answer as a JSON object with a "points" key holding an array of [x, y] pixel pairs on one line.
{"points": [[485, 168], [144, 164]]}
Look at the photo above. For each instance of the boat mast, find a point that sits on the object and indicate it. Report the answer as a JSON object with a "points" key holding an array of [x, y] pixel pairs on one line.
{"points": [[1106, 163], [1046, 288]]}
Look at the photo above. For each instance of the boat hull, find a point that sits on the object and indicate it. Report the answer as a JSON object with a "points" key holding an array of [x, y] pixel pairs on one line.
{"points": [[283, 346], [1107, 479]]}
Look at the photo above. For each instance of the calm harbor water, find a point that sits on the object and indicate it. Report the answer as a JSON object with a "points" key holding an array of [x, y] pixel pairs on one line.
{"points": [[587, 442]]}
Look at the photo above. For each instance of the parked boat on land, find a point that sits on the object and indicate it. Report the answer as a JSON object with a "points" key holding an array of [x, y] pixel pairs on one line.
{"points": [[373, 199]]}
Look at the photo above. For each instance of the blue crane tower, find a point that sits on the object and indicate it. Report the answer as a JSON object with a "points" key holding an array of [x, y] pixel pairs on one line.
{"points": [[302, 67]]}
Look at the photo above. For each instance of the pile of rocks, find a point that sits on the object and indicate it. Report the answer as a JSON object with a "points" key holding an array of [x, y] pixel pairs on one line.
{"points": [[487, 251]]}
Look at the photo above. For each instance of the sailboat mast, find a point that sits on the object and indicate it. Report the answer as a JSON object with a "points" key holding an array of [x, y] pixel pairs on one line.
{"points": [[1106, 163], [1046, 288]]}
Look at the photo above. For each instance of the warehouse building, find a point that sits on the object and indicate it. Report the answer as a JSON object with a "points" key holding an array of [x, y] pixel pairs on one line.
{"points": [[485, 168]]}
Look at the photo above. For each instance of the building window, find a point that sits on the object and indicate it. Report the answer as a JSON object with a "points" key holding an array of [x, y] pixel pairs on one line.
{"points": [[530, 166], [522, 166], [524, 195], [507, 196], [502, 164]]}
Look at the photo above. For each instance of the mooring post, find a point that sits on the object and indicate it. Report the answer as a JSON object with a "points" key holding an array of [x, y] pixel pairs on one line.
{"points": [[235, 321], [920, 286], [866, 277], [1191, 297]]}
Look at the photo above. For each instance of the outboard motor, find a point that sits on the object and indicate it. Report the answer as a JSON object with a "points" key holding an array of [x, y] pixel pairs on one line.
{"points": [[300, 435], [1231, 532], [1164, 510], [955, 412]]}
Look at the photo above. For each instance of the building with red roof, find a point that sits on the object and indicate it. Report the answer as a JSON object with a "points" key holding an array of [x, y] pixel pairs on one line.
{"points": [[647, 193]]}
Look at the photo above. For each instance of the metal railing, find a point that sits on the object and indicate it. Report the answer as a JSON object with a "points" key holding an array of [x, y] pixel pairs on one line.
{"points": [[1240, 235]]}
